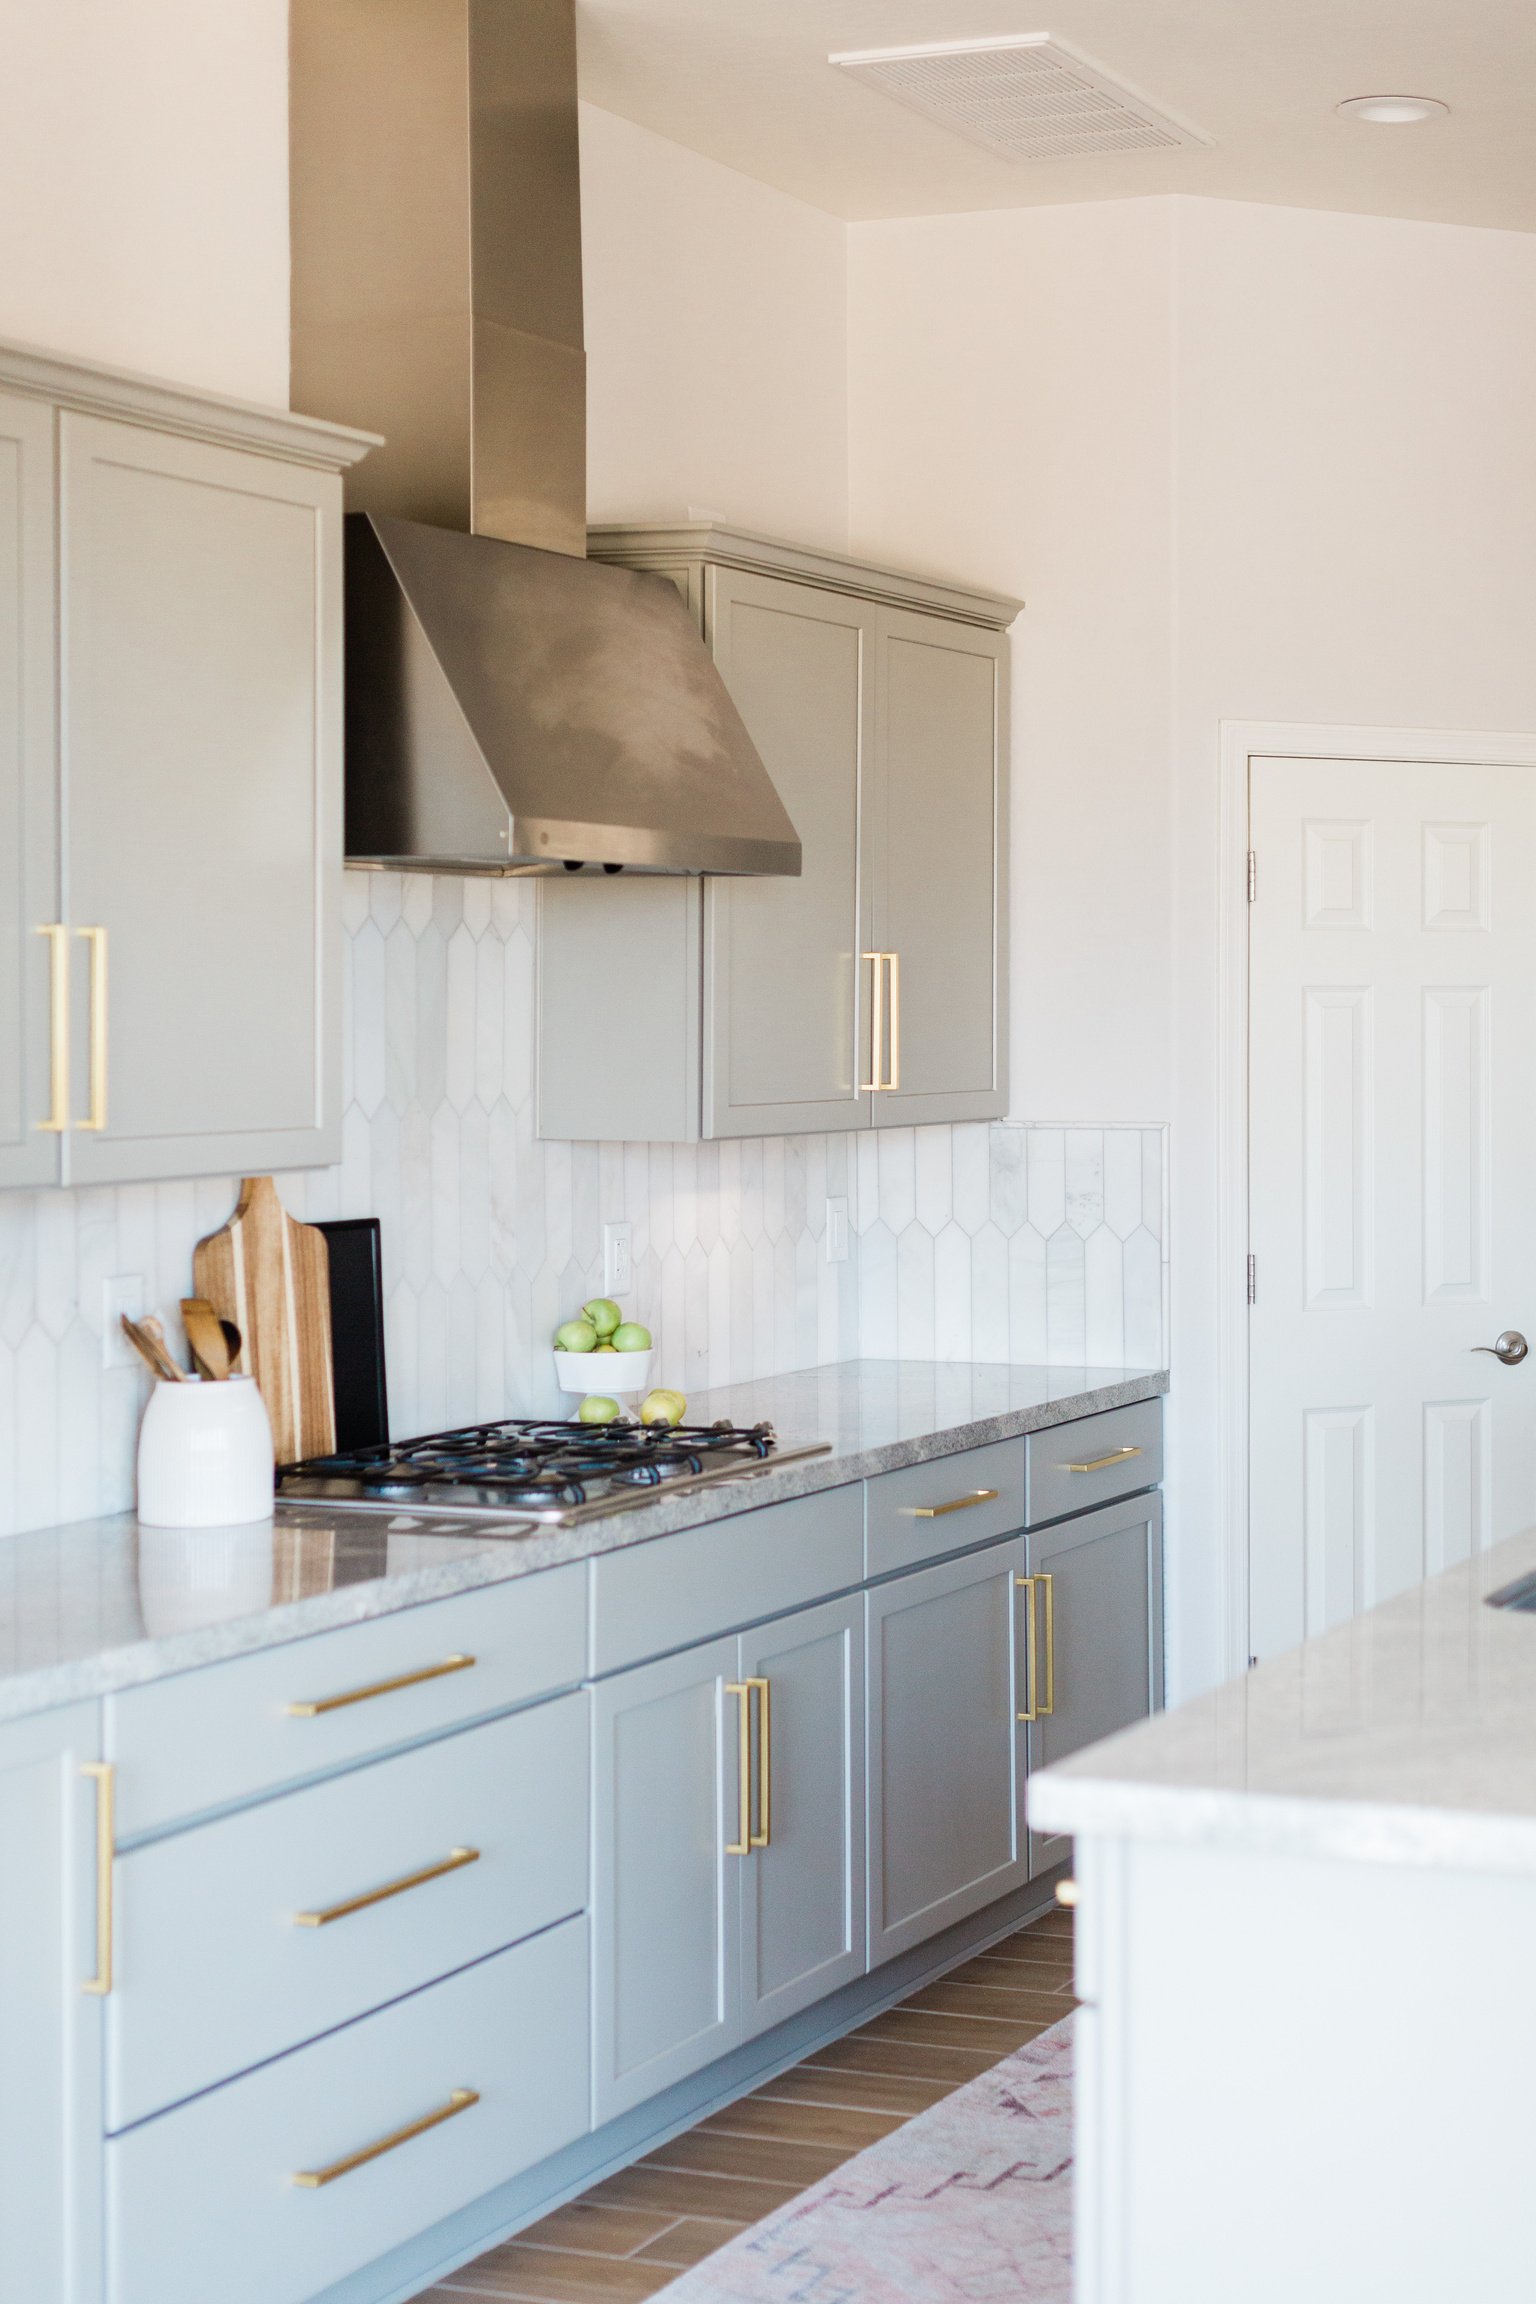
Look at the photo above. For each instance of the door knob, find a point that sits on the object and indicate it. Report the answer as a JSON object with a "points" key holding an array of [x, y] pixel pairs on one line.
{"points": [[1511, 1348]]}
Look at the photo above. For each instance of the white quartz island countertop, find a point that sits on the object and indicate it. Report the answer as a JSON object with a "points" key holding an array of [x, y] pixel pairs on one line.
{"points": [[1405, 1736], [108, 1604]]}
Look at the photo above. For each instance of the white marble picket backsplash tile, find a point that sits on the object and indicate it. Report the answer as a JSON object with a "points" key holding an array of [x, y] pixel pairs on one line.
{"points": [[977, 1242]]}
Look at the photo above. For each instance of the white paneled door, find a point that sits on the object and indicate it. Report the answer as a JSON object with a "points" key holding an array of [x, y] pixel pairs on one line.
{"points": [[1392, 1178]]}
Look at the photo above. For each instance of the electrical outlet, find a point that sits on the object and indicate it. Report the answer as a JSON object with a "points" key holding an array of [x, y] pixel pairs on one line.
{"points": [[123, 1294], [618, 1259], [837, 1231]]}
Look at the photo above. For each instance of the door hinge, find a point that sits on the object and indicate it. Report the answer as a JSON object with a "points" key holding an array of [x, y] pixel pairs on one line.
{"points": [[1253, 875], [1253, 1280]]}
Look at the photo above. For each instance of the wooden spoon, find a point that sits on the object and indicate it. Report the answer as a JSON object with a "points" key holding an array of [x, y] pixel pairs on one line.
{"points": [[152, 1352], [155, 1332], [205, 1334]]}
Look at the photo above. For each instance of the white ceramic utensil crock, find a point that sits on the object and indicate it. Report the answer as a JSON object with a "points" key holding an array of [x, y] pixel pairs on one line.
{"points": [[205, 1455]]}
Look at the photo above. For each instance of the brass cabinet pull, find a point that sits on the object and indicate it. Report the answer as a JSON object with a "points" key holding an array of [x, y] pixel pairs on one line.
{"points": [[311, 2179], [1048, 1584], [748, 1834], [1026, 1585], [96, 1118], [760, 1838], [873, 1085], [1102, 1463], [452, 1863], [105, 1778], [58, 1028], [886, 971], [1040, 1706], [742, 1844], [377, 1688], [955, 1504]]}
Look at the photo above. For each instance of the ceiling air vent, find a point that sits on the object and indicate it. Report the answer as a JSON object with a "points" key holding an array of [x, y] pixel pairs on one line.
{"points": [[1027, 95]]}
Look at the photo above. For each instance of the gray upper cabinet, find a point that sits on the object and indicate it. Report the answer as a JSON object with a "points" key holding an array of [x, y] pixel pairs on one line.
{"points": [[29, 835], [785, 1035], [938, 838], [177, 834], [870, 992]]}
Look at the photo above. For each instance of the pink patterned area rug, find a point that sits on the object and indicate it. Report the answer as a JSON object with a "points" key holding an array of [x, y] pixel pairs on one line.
{"points": [[970, 2203]]}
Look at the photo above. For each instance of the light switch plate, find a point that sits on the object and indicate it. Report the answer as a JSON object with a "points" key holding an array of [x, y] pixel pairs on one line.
{"points": [[837, 1231], [123, 1294], [618, 1259]]}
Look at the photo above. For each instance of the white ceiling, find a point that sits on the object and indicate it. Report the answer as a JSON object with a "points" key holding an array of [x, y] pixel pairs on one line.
{"points": [[747, 82]]}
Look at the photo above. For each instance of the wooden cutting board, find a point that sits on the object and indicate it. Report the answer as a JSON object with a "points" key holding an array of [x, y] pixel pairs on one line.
{"points": [[271, 1276]]}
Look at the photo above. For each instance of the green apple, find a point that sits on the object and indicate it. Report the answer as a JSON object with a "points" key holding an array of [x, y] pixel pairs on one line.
{"points": [[604, 1315], [605, 1348], [663, 1407], [596, 1409], [576, 1336], [631, 1337]]}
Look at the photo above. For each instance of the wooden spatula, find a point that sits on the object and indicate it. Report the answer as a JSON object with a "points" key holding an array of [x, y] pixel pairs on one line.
{"points": [[270, 1275], [205, 1334]]}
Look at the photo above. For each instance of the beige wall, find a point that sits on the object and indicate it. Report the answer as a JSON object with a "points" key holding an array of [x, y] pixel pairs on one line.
{"points": [[144, 186], [1243, 463], [716, 341]]}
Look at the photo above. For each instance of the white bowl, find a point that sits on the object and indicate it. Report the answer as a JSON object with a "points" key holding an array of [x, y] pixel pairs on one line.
{"points": [[610, 1373]]}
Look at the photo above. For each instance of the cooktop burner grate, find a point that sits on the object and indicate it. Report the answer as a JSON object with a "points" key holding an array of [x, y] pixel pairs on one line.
{"points": [[551, 1470]]}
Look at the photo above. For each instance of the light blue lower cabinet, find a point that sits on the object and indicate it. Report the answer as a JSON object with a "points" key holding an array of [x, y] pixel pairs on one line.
{"points": [[50, 2023], [946, 1748], [1098, 1601], [802, 1884], [666, 1924], [340, 1898], [270, 2189], [728, 1874]]}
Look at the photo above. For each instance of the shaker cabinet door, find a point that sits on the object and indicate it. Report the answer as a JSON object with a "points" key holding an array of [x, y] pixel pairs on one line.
{"points": [[665, 1917], [50, 2024], [782, 1035], [1094, 1652], [937, 845], [200, 684], [30, 899], [802, 1888], [946, 1754]]}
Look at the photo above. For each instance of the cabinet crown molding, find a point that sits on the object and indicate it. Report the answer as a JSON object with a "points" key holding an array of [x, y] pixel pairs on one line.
{"points": [[699, 543], [95, 390]]}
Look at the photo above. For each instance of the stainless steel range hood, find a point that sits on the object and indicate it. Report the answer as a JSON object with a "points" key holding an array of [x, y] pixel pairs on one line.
{"points": [[511, 706]]}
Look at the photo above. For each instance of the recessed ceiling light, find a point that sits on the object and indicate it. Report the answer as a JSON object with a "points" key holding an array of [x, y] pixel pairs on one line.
{"points": [[1393, 111]]}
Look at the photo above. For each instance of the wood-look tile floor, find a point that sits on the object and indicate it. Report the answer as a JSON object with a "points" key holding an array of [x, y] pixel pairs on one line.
{"points": [[632, 2233]]}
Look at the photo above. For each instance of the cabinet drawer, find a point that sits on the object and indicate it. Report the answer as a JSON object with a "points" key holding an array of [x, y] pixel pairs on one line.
{"points": [[689, 1587], [932, 1509], [207, 1739], [216, 1970], [203, 2202], [1073, 1466]]}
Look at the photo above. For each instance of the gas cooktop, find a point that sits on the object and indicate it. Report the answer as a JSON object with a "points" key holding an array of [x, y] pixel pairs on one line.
{"points": [[562, 1473]]}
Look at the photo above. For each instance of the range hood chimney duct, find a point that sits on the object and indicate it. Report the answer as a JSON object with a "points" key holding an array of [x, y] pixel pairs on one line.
{"points": [[511, 706], [436, 200]]}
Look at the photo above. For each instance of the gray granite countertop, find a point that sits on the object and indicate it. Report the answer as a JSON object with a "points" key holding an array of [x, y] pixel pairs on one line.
{"points": [[106, 1604], [1404, 1736]]}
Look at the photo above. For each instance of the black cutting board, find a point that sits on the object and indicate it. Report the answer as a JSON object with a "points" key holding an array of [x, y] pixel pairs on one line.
{"points": [[357, 1331]]}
